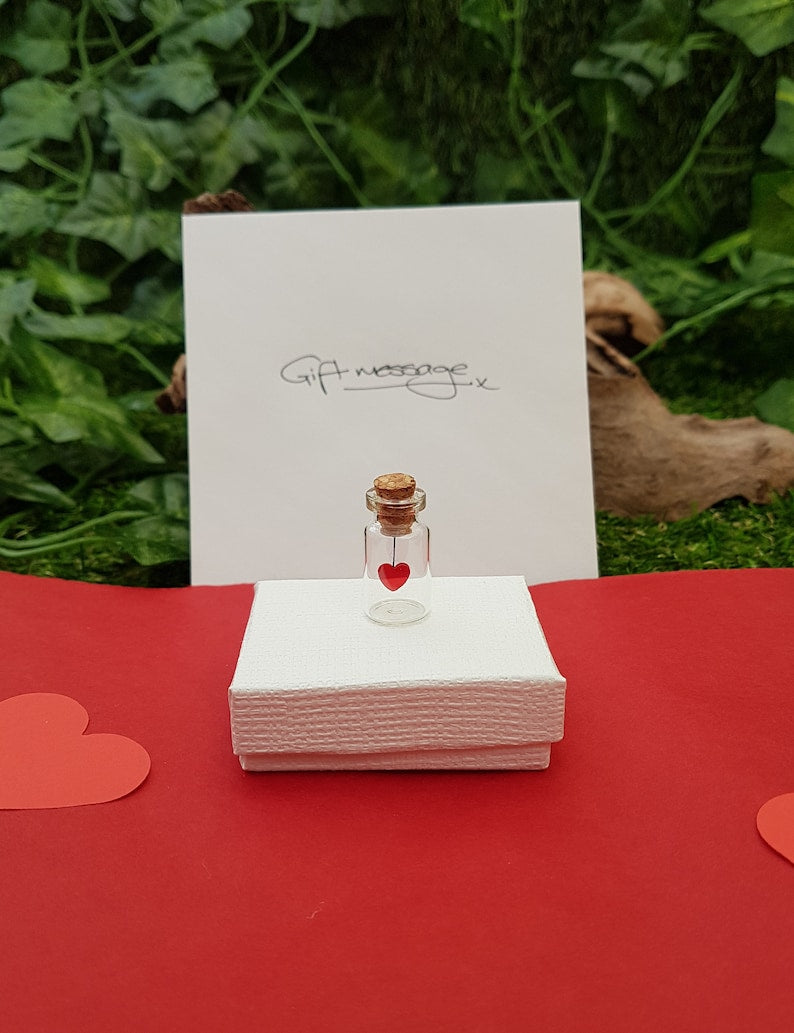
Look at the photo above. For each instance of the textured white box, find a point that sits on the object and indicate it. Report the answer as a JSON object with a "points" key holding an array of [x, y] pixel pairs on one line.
{"points": [[319, 686]]}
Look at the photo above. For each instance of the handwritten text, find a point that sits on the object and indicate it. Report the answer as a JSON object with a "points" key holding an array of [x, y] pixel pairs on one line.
{"points": [[428, 380]]}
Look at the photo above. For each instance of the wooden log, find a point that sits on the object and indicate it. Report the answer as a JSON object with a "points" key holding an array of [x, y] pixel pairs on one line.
{"points": [[646, 460]]}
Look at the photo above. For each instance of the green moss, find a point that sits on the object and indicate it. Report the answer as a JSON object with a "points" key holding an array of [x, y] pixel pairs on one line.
{"points": [[731, 534]]}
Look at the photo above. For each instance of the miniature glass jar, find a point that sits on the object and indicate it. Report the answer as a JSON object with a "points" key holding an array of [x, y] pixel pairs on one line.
{"points": [[397, 586]]}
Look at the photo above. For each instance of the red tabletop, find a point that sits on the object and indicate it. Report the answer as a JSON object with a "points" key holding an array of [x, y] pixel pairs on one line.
{"points": [[624, 889]]}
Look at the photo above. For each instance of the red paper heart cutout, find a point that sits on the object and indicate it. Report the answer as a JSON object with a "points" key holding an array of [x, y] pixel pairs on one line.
{"points": [[775, 822], [394, 577], [46, 761]]}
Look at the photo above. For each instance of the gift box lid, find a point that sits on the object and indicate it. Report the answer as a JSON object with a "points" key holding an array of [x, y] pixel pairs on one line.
{"points": [[315, 675]]}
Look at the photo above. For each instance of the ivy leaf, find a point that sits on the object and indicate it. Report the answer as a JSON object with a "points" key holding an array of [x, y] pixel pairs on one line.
{"points": [[37, 109], [54, 280], [296, 175], [124, 10], [41, 43], [218, 22], [396, 169], [23, 211], [641, 65], [19, 479], [308, 183], [171, 244], [103, 328], [499, 179], [651, 49], [162, 13], [490, 17], [610, 105], [46, 370], [676, 286], [772, 213], [780, 142], [226, 142], [725, 248], [762, 25], [663, 21], [116, 211], [607, 68], [156, 314], [13, 158], [89, 102], [155, 334], [187, 82], [330, 14], [164, 536], [151, 149], [776, 405], [13, 429], [155, 539], [166, 494], [769, 269], [152, 300], [663, 66], [139, 401], [15, 299], [97, 421]]}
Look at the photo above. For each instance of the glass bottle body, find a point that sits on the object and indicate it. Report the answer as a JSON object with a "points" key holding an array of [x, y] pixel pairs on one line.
{"points": [[397, 583]]}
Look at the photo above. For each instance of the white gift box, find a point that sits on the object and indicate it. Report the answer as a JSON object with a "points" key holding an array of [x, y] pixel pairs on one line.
{"points": [[319, 686]]}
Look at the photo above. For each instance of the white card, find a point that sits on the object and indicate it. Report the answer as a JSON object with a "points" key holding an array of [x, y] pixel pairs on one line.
{"points": [[325, 348]]}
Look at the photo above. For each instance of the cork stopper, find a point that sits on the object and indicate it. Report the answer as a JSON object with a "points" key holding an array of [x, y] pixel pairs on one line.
{"points": [[396, 499], [395, 486]]}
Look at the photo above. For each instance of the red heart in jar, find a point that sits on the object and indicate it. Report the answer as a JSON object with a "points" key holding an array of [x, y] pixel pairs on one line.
{"points": [[394, 577]]}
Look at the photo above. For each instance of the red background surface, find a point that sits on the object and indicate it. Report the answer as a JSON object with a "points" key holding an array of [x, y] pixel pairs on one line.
{"points": [[624, 889]]}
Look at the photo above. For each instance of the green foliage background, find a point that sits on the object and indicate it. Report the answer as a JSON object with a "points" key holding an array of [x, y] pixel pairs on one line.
{"points": [[672, 121]]}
